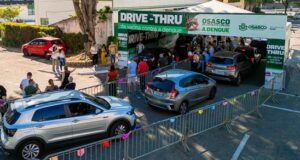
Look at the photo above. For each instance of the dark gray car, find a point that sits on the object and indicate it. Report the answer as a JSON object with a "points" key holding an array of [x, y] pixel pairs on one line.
{"points": [[229, 66], [177, 90]]}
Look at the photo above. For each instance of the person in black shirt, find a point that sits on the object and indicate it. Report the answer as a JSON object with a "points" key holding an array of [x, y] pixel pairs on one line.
{"points": [[71, 85], [2, 93]]}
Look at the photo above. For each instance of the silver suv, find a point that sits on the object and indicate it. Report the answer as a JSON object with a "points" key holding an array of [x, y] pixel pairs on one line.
{"points": [[229, 66], [32, 124], [177, 90]]}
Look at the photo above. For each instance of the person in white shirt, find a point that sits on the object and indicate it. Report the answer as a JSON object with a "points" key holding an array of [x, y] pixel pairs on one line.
{"points": [[211, 49], [140, 48], [54, 58], [24, 83], [94, 52], [131, 74]]}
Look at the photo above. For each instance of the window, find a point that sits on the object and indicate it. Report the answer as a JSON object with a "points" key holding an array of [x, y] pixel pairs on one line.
{"points": [[12, 116], [49, 113], [42, 42], [34, 42], [186, 82], [161, 84], [30, 8], [198, 79], [221, 60], [44, 21], [82, 109]]}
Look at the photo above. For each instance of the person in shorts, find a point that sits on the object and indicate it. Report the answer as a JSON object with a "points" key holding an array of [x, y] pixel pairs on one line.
{"points": [[131, 74]]}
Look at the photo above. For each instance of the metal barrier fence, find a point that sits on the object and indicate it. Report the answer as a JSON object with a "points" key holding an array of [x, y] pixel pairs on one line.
{"points": [[148, 139], [131, 86]]}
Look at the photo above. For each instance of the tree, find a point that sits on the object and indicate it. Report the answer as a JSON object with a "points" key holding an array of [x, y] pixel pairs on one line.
{"points": [[87, 14], [285, 4], [9, 13]]}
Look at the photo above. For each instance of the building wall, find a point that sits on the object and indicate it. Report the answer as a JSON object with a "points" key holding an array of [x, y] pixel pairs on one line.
{"points": [[102, 30], [57, 10]]}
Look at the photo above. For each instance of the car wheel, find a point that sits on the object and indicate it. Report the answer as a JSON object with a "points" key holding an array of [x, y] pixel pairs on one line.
{"points": [[47, 56], [238, 80], [183, 108], [25, 52], [119, 128], [212, 93], [30, 150]]}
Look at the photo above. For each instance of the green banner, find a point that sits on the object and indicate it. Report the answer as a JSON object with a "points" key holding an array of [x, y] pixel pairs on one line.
{"points": [[276, 52]]}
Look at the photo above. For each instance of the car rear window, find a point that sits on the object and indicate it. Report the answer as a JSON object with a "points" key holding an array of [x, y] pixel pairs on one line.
{"points": [[247, 51], [12, 116], [221, 60], [163, 85], [57, 42]]}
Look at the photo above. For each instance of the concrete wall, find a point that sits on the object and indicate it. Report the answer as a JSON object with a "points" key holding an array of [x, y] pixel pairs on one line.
{"points": [[57, 10], [103, 29]]}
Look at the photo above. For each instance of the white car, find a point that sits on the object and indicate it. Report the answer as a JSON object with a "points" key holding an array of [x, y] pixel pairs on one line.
{"points": [[297, 15]]}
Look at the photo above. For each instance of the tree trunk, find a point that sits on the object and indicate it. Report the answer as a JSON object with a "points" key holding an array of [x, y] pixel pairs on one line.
{"points": [[286, 5], [86, 13]]}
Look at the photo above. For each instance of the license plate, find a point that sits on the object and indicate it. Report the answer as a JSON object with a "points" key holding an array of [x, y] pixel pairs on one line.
{"points": [[158, 93], [219, 72]]}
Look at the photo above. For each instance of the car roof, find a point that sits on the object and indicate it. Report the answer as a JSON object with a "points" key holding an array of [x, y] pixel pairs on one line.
{"points": [[227, 54], [175, 74], [46, 98], [49, 38]]}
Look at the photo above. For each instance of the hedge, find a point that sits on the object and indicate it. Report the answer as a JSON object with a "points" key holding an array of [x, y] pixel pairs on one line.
{"points": [[16, 34]]}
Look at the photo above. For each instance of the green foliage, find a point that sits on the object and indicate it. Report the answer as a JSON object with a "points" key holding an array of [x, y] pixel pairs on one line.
{"points": [[112, 38], [16, 34], [103, 13], [9, 13]]}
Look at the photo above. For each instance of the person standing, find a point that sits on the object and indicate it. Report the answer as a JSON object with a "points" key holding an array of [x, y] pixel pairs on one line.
{"points": [[112, 52], [31, 89], [140, 47], [71, 85], [206, 55], [131, 74], [51, 87], [62, 58], [24, 83], [112, 76], [54, 58], [65, 77], [3, 94], [94, 52], [142, 71], [211, 49], [195, 60], [103, 55]]}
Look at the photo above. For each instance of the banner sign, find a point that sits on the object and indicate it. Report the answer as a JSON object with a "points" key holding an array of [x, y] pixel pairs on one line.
{"points": [[134, 37], [123, 48], [243, 25], [275, 53]]}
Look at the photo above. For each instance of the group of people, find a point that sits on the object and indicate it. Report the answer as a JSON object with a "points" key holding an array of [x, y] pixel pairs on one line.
{"points": [[29, 87], [201, 48], [104, 54], [58, 58], [134, 68]]}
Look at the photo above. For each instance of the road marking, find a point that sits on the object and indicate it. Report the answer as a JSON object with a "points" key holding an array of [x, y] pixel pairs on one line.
{"points": [[240, 147], [283, 109], [287, 94]]}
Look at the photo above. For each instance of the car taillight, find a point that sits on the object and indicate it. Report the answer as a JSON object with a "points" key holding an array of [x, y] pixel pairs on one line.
{"points": [[147, 90], [208, 64], [174, 93], [231, 67], [11, 132]]}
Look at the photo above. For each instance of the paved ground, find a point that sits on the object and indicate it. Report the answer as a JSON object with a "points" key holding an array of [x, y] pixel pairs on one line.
{"points": [[274, 137], [14, 68]]}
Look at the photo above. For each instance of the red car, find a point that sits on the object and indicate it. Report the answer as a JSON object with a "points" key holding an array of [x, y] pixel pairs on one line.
{"points": [[40, 46]]}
